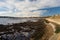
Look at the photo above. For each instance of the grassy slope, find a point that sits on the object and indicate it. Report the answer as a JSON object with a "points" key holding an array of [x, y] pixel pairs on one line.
{"points": [[57, 19]]}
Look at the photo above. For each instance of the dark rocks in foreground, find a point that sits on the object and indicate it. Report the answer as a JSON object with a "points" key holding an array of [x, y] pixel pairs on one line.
{"points": [[43, 31]]}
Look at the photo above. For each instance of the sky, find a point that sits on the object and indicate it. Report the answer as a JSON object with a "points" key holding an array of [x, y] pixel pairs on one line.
{"points": [[29, 8]]}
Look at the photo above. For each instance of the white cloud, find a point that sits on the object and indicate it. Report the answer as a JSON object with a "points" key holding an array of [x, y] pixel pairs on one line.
{"points": [[48, 3], [26, 7], [23, 14], [36, 5], [30, 14], [2, 4]]}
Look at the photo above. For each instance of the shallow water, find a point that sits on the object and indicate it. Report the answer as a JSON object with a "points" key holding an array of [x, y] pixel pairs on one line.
{"points": [[6, 21]]}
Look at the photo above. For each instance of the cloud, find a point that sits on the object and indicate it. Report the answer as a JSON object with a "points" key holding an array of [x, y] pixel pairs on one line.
{"points": [[38, 4], [24, 8], [30, 14], [49, 3], [23, 14]]}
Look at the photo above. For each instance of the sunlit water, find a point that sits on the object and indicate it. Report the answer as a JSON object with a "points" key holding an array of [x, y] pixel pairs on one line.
{"points": [[6, 21]]}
